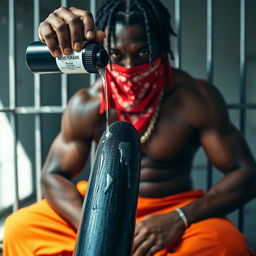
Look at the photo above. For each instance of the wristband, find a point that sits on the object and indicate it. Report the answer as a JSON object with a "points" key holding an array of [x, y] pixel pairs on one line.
{"points": [[182, 216]]}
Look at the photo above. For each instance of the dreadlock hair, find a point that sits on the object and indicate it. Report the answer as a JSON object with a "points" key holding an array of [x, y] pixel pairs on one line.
{"points": [[151, 13]]}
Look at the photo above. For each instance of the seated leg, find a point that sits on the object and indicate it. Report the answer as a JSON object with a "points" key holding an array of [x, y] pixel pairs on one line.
{"points": [[38, 230], [215, 236]]}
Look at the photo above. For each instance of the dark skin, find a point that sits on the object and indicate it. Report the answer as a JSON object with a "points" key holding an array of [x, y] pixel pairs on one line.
{"points": [[193, 114]]}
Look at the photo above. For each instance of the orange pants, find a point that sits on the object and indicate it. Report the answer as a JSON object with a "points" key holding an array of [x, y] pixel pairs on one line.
{"points": [[39, 230]]}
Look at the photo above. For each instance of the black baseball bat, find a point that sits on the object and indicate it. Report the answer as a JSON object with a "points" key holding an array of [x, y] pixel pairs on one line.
{"points": [[109, 210]]}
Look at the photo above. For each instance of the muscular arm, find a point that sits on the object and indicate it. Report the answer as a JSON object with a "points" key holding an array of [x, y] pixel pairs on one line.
{"points": [[228, 151], [204, 109], [63, 31], [65, 160]]}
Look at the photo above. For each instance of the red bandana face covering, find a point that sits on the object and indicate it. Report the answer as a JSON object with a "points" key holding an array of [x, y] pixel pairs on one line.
{"points": [[135, 92]]}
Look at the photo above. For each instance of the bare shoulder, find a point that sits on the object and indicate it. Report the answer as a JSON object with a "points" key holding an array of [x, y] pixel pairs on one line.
{"points": [[201, 102], [81, 117]]}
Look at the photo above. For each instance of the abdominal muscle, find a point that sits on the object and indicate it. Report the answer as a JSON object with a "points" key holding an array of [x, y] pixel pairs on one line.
{"points": [[163, 182]]}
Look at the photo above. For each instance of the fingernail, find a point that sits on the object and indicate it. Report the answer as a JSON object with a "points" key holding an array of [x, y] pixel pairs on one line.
{"points": [[90, 34], [67, 51], [77, 46], [57, 53]]}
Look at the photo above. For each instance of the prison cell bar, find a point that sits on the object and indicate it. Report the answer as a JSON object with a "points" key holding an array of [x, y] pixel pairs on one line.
{"points": [[242, 88], [64, 77], [37, 104], [209, 70], [59, 109], [177, 16], [92, 80], [12, 98]]}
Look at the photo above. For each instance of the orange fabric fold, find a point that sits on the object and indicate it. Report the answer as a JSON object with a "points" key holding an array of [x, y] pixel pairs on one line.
{"points": [[39, 230], [147, 206]]}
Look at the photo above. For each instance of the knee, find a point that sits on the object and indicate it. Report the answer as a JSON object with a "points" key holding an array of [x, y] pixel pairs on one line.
{"points": [[228, 239], [233, 243], [216, 237], [15, 225]]}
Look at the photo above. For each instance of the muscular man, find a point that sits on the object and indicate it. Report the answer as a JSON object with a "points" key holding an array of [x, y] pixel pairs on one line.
{"points": [[174, 113]]}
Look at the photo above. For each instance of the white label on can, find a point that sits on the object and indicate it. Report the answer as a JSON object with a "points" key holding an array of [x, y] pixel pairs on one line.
{"points": [[72, 63]]}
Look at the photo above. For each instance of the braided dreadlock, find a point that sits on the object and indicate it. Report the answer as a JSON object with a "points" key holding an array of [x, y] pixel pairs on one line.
{"points": [[152, 13]]}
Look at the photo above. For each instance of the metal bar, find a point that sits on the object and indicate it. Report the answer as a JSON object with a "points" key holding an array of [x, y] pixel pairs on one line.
{"points": [[12, 98], [209, 70], [34, 110], [64, 77], [92, 154], [244, 106], [93, 7], [209, 177], [37, 103], [13, 122], [209, 47], [92, 80], [93, 11], [242, 61], [60, 109], [64, 90], [177, 53], [242, 89]]}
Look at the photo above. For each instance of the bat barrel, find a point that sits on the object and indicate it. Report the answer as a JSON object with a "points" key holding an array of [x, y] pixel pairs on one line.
{"points": [[109, 210]]}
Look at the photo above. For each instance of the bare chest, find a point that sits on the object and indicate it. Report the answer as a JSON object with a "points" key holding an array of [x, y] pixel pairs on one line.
{"points": [[172, 140]]}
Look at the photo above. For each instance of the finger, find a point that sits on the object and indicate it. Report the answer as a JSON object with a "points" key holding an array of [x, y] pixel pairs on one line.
{"points": [[137, 229], [88, 22], [138, 240], [100, 35], [39, 32], [145, 247], [75, 26], [142, 235], [154, 249], [62, 32], [48, 36]]}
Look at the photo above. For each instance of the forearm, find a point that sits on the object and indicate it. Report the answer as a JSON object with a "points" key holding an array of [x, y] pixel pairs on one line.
{"points": [[231, 192], [63, 197]]}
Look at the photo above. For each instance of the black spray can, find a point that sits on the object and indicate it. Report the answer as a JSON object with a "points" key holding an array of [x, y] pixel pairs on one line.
{"points": [[40, 61]]}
